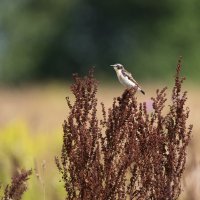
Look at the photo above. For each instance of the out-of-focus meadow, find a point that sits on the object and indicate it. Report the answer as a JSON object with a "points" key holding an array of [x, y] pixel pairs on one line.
{"points": [[31, 134], [43, 42]]}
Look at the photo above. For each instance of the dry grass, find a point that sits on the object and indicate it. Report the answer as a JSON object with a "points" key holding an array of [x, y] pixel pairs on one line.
{"points": [[44, 108]]}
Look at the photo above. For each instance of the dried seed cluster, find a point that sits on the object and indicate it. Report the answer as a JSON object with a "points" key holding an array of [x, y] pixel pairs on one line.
{"points": [[130, 153], [18, 186]]}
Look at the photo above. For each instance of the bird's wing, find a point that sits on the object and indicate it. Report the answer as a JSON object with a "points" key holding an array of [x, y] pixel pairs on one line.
{"points": [[130, 77]]}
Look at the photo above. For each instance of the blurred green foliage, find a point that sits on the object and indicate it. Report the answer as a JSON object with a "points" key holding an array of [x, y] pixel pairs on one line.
{"points": [[21, 149], [42, 39]]}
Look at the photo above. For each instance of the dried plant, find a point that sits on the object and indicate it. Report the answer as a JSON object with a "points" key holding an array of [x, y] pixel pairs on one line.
{"points": [[128, 154], [40, 175], [18, 186]]}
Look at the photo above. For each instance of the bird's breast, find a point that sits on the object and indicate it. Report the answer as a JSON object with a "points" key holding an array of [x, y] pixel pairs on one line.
{"points": [[124, 80]]}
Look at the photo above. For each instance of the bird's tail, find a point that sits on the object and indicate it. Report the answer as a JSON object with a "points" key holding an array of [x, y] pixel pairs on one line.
{"points": [[142, 91]]}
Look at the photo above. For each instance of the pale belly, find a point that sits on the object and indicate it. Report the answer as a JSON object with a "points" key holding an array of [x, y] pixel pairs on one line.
{"points": [[126, 82]]}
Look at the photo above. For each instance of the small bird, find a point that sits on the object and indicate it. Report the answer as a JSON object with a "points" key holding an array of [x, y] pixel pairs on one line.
{"points": [[125, 78]]}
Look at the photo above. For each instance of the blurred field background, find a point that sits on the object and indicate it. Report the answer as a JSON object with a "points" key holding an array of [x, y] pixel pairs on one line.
{"points": [[43, 42]]}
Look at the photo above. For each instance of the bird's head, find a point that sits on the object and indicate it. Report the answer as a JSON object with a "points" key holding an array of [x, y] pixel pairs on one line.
{"points": [[117, 66]]}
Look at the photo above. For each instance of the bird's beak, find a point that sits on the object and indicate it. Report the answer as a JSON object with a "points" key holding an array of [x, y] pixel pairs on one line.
{"points": [[112, 65]]}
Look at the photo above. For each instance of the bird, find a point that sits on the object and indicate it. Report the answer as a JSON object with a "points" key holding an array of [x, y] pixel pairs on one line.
{"points": [[126, 78]]}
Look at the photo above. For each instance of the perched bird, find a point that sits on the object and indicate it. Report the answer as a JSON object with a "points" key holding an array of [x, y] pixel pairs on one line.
{"points": [[125, 78]]}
